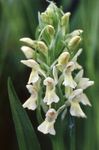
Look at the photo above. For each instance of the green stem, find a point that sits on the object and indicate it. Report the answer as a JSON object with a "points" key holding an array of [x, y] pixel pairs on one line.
{"points": [[58, 143], [72, 135], [58, 140]]}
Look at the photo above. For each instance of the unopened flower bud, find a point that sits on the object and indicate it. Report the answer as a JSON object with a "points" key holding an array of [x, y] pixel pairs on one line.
{"points": [[76, 32], [28, 52], [50, 30], [50, 15], [63, 60], [74, 42], [65, 18], [45, 18], [41, 46], [65, 22], [27, 41]]}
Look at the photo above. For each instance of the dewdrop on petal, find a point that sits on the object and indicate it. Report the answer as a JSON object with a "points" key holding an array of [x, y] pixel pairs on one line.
{"points": [[48, 125], [28, 52], [50, 94]]}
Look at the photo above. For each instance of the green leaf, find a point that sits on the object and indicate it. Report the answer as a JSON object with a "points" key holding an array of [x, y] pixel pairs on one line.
{"points": [[26, 136]]}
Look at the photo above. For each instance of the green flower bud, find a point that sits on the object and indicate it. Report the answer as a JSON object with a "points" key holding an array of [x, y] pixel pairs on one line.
{"points": [[47, 34], [41, 46], [74, 42], [50, 30], [63, 60], [65, 22], [77, 32], [51, 15], [38, 45], [46, 19]]}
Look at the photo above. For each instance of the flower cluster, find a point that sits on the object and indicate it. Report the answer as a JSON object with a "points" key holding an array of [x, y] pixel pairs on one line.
{"points": [[56, 77]]}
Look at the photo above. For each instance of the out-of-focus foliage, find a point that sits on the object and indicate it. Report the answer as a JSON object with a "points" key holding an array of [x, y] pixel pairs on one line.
{"points": [[25, 133], [18, 18]]}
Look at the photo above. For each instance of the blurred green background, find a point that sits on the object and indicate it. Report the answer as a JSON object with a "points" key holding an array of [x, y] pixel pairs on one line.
{"points": [[18, 18]]}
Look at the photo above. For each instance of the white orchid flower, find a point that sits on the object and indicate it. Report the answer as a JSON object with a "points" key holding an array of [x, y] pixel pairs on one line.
{"points": [[74, 99], [31, 101], [82, 82], [36, 70], [50, 94], [68, 79], [48, 125]]}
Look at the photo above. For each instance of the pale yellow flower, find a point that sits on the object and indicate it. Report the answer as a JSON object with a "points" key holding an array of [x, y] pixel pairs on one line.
{"points": [[28, 52], [75, 98], [50, 94], [81, 81], [48, 125], [36, 70], [31, 101], [68, 79]]}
